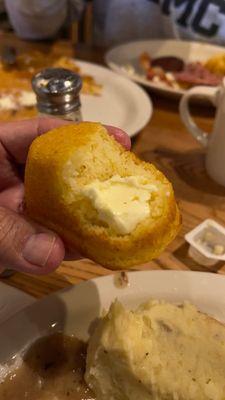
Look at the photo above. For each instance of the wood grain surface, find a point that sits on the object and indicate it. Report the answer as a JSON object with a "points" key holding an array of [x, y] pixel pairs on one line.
{"points": [[165, 142]]}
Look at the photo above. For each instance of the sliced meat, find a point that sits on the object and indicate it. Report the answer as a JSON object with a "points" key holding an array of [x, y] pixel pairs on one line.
{"points": [[197, 74], [169, 64]]}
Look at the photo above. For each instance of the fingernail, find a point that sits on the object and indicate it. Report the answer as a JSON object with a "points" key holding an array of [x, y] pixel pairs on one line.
{"points": [[38, 248]]}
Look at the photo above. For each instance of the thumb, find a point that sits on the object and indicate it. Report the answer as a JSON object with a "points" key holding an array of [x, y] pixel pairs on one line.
{"points": [[26, 246]]}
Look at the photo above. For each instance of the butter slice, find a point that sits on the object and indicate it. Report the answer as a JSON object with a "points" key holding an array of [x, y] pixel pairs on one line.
{"points": [[121, 202]]}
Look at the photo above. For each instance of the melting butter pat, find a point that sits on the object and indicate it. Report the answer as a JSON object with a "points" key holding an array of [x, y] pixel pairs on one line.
{"points": [[121, 202]]}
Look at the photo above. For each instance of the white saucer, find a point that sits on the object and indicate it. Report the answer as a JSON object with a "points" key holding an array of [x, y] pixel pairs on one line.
{"points": [[122, 103]]}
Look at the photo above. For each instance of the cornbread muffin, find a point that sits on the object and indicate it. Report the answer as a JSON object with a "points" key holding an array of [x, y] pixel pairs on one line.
{"points": [[101, 199], [158, 352]]}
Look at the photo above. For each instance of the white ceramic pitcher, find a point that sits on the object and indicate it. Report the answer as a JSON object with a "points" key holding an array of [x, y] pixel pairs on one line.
{"points": [[215, 142]]}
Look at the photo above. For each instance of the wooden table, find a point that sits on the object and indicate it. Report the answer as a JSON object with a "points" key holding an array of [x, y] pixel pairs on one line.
{"points": [[165, 142]]}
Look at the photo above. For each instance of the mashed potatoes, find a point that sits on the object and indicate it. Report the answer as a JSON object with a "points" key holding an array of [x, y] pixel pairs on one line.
{"points": [[160, 351]]}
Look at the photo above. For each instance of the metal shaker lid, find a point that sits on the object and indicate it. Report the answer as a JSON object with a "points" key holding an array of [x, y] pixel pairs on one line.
{"points": [[57, 90]]}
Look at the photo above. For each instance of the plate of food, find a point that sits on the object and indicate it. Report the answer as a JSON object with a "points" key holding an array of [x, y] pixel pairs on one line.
{"points": [[105, 96], [169, 66], [122, 336]]}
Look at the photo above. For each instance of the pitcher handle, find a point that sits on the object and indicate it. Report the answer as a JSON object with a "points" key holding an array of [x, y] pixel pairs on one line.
{"points": [[199, 91]]}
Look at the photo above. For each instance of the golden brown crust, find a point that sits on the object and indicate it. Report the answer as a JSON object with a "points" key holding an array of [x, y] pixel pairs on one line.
{"points": [[47, 195]]}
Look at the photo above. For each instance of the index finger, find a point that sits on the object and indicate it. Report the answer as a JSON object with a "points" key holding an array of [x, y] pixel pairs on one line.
{"points": [[120, 136], [16, 137]]}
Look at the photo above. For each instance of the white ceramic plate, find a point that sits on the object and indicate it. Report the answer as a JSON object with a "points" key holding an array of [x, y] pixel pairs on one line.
{"points": [[129, 53], [12, 300], [122, 103], [75, 309]]}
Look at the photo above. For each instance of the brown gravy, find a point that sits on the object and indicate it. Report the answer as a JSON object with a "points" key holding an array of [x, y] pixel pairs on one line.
{"points": [[52, 369]]}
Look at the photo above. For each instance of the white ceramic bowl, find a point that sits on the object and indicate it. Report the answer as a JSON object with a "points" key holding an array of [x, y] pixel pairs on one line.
{"points": [[75, 309]]}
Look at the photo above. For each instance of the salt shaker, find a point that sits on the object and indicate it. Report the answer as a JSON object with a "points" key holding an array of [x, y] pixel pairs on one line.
{"points": [[58, 93]]}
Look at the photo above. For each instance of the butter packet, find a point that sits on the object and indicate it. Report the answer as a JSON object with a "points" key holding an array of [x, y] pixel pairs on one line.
{"points": [[207, 243]]}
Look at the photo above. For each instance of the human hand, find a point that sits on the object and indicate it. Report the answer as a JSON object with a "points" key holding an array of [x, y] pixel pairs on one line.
{"points": [[24, 245]]}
